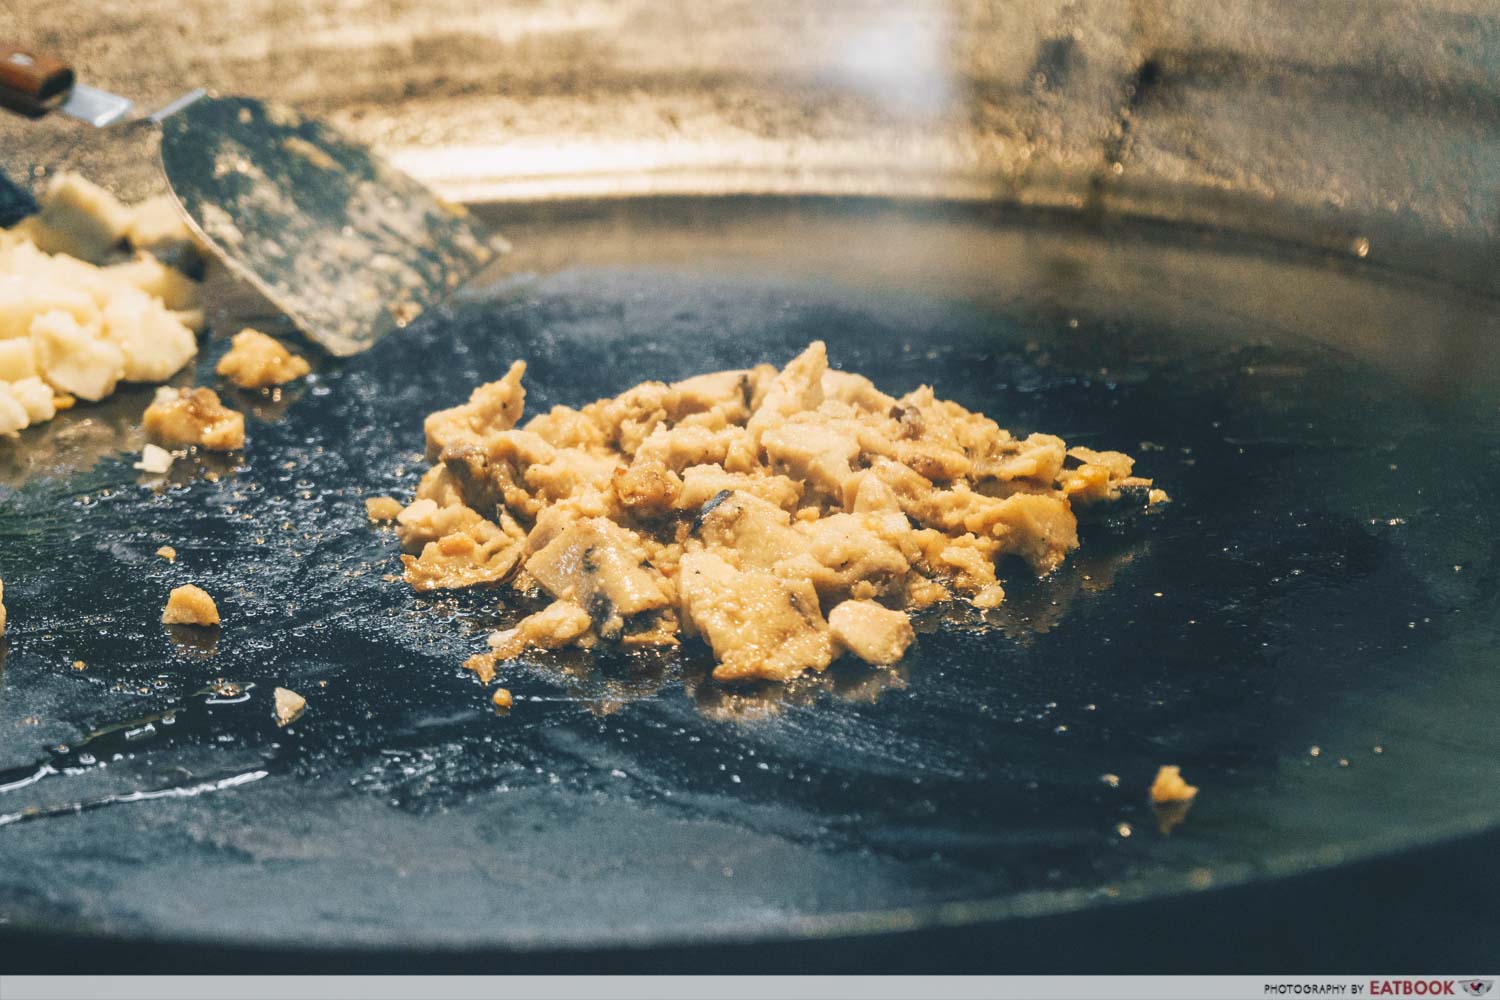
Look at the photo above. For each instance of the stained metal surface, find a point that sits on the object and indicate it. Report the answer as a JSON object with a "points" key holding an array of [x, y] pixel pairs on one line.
{"points": [[346, 246], [1309, 629], [1329, 123]]}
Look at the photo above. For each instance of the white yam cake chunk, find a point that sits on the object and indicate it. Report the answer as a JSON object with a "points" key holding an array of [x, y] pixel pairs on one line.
{"points": [[193, 319], [79, 218], [75, 359], [70, 326], [24, 403], [873, 633], [155, 344], [36, 397], [17, 359], [289, 706], [13, 418], [156, 460], [157, 222], [24, 296], [175, 290]]}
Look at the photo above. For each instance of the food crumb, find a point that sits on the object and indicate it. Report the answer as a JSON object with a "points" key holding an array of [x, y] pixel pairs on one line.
{"points": [[168, 553], [502, 698], [289, 706], [483, 665], [1157, 496], [155, 460], [194, 416], [383, 508], [1171, 798], [1169, 786], [257, 361], [79, 665], [190, 605]]}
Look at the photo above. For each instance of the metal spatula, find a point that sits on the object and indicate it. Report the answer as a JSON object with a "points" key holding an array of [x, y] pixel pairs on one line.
{"points": [[346, 245], [33, 84]]}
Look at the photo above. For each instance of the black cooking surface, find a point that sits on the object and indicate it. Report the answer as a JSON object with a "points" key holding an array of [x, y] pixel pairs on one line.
{"points": [[1308, 629]]}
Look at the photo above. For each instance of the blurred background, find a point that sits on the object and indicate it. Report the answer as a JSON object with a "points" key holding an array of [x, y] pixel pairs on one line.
{"points": [[1348, 150], [1366, 127]]}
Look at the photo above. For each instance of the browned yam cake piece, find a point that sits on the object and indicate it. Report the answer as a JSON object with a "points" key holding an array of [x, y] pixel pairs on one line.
{"points": [[1170, 786], [493, 407], [871, 632], [258, 362], [558, 624], [190, 605], [600, 567], [759, 625], [379, 509], [194, 417]]}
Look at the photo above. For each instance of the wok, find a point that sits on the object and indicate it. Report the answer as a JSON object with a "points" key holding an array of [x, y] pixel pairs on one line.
{"points": [[1308, 629]]}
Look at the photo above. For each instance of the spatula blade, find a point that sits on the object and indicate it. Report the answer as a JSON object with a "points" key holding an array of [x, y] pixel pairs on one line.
{"points": [[347, 246], [97, 107]]}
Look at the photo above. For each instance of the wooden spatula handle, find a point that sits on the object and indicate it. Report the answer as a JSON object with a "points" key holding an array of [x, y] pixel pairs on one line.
{"points": [[30, 82]]}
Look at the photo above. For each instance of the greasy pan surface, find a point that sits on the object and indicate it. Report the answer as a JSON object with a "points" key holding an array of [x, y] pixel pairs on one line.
{"points": [[1308, 629]]}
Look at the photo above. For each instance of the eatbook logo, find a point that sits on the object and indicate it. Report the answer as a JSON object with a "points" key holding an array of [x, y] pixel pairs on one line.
{"points": [[1478, 987]]}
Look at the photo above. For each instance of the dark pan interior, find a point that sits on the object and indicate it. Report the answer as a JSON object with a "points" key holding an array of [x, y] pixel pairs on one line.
{"points": [[1309, 629]]}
